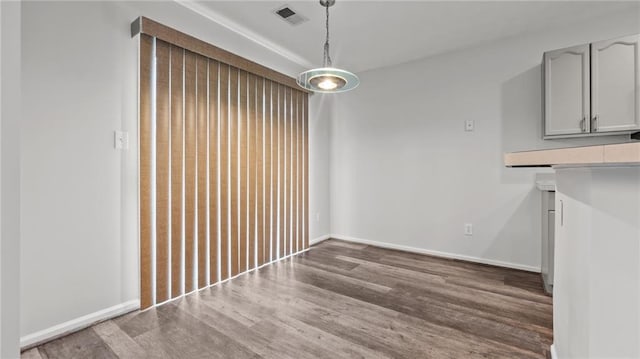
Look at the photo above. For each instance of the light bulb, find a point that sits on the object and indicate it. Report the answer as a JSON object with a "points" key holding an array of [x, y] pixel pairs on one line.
{"points": [[327, 84], [326, 80]]}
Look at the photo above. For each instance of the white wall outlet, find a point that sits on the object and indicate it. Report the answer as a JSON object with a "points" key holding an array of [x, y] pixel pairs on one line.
{"points": [[469, 125], [121, 140], [317, 216], [468, 229]]}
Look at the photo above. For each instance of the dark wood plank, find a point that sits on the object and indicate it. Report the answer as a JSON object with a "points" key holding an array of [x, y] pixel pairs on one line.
{"points": [[328, 261], [31, 354], [138, 323], [83, 344], [252, 339], [180, 335], [118, 341]]}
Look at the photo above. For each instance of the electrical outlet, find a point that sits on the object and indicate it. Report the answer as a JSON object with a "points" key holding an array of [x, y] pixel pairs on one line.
{"points": [[468, 229], [317, 216], [469, 125]]}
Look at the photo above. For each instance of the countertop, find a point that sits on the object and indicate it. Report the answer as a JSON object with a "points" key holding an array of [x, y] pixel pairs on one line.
{"points": [[623, 153]]}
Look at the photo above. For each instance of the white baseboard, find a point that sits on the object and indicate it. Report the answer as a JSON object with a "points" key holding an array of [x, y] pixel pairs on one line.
{"points": [[34, 339], [437, 253], [319, 239], [554, 354]]}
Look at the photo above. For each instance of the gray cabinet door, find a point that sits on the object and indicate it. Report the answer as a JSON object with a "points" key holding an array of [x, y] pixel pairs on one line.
{"points": [[567, 91], [615, 84]]}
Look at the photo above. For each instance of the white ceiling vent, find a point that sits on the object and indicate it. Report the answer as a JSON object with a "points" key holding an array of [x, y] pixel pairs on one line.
{"points": [[286, 13]]}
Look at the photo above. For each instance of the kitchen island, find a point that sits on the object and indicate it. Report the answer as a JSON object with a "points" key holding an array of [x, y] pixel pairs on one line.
{"points": [[596, 299]]}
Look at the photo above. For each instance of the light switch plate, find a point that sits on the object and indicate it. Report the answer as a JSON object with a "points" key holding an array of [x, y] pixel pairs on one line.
{"points": [[121, 140], [468, 229], [469, 125]]}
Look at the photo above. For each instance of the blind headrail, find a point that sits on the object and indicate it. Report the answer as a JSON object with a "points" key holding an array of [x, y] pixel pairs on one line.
{"points": [[144, 25]]}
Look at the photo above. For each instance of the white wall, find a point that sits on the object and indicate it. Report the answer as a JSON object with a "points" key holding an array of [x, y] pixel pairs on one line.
{"points": [[404, 172], [319, 126], [10, 100], [79, 195], [597, 266]]}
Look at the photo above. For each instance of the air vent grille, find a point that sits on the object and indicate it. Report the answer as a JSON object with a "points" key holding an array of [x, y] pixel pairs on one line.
{"points": [[286, 13]]}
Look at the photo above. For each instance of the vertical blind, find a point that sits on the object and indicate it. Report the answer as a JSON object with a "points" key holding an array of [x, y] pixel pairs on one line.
{"points": [[223, 171]]}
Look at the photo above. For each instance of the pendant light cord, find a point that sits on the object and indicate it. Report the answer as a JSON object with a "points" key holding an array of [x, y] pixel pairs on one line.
{"points": [[327, 57]]}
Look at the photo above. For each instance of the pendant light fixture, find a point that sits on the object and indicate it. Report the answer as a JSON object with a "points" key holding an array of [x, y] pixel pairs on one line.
{"points": [[328, 79]]}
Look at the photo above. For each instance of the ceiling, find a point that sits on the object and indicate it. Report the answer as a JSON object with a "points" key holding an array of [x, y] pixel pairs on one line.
{"points": [[372, 34]]}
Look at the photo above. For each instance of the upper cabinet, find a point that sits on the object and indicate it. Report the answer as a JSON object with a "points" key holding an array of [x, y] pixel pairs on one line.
{"points": [[567, 96], [615, 84], [592, 89]]}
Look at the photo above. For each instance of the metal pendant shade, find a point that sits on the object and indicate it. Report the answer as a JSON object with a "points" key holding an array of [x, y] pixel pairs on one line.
{"points": [[328, 79]]}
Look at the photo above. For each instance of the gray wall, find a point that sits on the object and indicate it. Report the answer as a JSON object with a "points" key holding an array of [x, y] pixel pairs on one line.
{"points": [[404, 171], [10, 106]]}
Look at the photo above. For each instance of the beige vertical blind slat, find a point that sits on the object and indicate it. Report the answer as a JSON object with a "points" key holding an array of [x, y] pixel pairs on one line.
{"points": [[235, 166], [201, 167], [225, 244], [223, 171], [288, 167], [251, 167], [146, 284], [268, 169], [177, 168], [281, 170], [274, 171], [305, 176], [244, 162], [190, 182], [214, 205], [162, 170], [300, 242], [260, 170], [294, 173]]}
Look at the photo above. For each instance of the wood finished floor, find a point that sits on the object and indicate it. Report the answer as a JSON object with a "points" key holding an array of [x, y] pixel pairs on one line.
{"points": [[338, 300]]}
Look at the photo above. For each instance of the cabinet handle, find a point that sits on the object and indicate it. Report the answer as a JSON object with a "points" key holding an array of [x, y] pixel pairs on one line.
{"points": [[583, 124], [561, 213], [594, 123]]}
